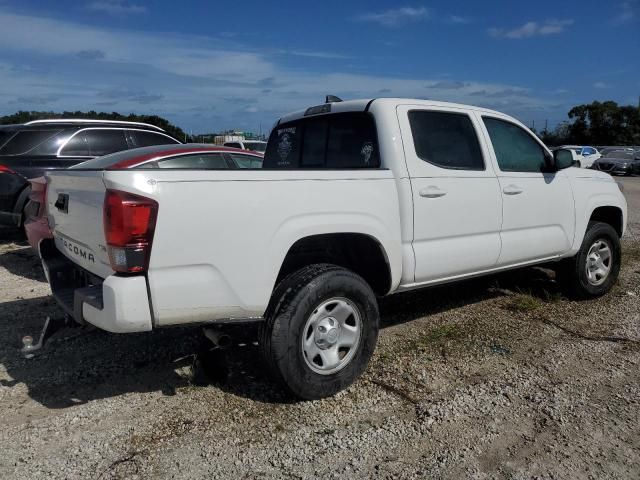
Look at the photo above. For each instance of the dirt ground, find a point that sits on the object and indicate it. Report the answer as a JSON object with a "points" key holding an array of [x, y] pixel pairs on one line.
{"points": [[500, 377]]}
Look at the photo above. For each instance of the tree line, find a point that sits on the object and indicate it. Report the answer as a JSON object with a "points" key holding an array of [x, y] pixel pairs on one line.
{"points": [[597, 123], [24, 116]]}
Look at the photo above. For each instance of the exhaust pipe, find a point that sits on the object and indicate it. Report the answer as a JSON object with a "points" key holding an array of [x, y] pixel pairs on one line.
{"points": [[219, 339]]}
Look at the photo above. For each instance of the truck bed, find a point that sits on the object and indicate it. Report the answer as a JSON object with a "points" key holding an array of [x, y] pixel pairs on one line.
{"points": [[221, 236]]}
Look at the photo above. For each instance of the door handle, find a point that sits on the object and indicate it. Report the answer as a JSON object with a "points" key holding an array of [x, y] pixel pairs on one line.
{"points": [[512, 190], [432, 192]]}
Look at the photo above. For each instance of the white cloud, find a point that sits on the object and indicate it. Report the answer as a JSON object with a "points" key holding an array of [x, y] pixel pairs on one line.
{"points": [[627, 13], [116, 7], [533, 29], [396, 17], [457, 19], [600, 85], [171, 75]]}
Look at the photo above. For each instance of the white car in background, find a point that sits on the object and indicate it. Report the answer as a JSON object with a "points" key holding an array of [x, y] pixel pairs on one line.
{"points": [[584, 155], [251, 145]]}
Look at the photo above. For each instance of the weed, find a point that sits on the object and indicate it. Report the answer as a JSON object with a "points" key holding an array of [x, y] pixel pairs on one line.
{"points": [[523, 303], [434, 336]]}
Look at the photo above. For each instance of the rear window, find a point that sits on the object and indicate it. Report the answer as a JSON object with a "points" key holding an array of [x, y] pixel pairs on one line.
{"points": [[25, 141], [204, 161], [146, 139], [107, 161], [341, 140]]}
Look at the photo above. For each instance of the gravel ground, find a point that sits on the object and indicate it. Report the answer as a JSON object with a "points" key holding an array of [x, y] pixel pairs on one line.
{"points": [[494, 378]]}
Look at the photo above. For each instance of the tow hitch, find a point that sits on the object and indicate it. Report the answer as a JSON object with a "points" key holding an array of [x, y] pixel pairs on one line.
{"points": [[51, 326]]}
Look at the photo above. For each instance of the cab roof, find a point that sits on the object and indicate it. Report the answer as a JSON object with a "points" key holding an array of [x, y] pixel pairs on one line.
{"points": [[363, 105]]}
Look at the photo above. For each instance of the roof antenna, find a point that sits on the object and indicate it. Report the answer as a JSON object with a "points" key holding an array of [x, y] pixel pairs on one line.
{"points": [[332, 99]]}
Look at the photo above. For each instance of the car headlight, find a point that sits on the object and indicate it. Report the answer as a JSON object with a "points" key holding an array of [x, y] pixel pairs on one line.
{"points": [[620, 186]]}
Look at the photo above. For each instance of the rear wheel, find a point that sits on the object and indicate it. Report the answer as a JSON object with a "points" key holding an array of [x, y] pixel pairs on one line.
{"points": [[320, 330], [595, 268]]}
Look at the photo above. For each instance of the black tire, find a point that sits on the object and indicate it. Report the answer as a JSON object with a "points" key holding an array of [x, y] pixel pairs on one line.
{"points": [[573, 271], [295, 299]]}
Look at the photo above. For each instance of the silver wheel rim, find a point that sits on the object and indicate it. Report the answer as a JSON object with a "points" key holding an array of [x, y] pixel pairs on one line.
{"points": [[599, 261], [331, 336]]}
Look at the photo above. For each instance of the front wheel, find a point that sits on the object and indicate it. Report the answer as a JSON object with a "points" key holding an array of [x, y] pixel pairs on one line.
{"points": [[594, 270], [320, 330]]}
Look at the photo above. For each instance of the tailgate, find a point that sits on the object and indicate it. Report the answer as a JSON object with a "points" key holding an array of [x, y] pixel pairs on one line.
{"points": [[74, 202]]}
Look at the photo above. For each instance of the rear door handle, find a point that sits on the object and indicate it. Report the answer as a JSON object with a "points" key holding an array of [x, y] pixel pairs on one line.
{"points": [[512, 190], [432, 192]]}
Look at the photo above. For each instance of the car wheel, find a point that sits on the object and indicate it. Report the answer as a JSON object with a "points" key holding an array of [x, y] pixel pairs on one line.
{"points": [[320, 330], [595, 268]]}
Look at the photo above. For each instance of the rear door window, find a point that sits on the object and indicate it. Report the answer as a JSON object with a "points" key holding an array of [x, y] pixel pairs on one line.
{"points": [[26, 140], [446, 140], [141, 138], [77, 146], [341, 140], [105, 141]]}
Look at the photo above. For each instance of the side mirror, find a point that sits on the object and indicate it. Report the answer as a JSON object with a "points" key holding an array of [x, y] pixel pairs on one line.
{"points": [[562, 159]]}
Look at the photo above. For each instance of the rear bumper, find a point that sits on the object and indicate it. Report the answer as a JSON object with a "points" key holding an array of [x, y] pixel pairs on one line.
{"points": [[115, 304]]}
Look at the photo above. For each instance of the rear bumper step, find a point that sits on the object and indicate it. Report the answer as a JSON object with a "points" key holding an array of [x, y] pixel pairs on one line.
{"points": [[116, 304]]}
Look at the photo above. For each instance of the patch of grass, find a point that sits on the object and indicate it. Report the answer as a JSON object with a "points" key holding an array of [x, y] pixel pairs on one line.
{"points": [[523, 303], [441, 332], [551, 297], [434, 336]]}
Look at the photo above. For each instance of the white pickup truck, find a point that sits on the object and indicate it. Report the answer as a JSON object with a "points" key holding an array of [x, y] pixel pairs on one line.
{"points": [[355, 200]]}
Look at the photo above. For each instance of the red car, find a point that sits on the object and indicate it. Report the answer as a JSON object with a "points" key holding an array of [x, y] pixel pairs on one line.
{"points": [[184, 156]]}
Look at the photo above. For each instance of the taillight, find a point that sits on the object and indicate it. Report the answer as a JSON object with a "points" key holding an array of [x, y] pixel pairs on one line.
{"points": [[4, 169], [129, 223]]}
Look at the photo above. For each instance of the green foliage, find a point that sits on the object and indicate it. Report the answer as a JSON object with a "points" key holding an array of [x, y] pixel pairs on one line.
{"points": [[435, 336], [598, 123], [24, 116], [523, 303]]}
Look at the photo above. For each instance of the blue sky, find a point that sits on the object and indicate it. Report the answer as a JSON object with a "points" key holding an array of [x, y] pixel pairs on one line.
{"points": [[209, 66]]}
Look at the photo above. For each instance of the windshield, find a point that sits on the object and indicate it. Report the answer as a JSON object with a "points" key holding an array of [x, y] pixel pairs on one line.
{"points": [[255, 146]]}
